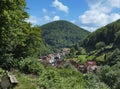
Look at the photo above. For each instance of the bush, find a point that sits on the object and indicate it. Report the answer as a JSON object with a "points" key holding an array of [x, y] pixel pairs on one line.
{"points": [[30, 65], [1, 72], [93, 82], [111, 76]]}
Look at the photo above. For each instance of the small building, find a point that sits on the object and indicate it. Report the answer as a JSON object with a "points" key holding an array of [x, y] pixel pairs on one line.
{"points": [[82, 68], [57, 56], [8, 81], [91, 66], [73, 63], [91, 63], [60, 63]]}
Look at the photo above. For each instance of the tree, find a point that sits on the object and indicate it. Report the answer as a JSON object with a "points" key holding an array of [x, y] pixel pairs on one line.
{"points": [[18, 39], [33, 44], [100, 45], [111, 75], [117, 38], [113, 58], [12, 26]]}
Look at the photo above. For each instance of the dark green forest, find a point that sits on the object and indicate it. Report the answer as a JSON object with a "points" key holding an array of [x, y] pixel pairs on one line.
{"points": [[109, 35], [22, 44], [62, 34]]}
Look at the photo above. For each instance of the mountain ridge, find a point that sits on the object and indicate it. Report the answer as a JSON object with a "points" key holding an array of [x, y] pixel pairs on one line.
{"points": [[62, 33], [107, 34]]}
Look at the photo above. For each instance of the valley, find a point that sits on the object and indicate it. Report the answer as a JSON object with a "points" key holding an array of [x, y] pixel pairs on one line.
{"points": [[59, 54]]}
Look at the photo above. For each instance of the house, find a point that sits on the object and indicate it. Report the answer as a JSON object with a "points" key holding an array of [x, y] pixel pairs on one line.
{"points": [[57, 56], [91, 63], [91, 66], [48, 60], [75, 64], [60, 63], [79, 67], [66, 50], [82, 68], [8, 81]]}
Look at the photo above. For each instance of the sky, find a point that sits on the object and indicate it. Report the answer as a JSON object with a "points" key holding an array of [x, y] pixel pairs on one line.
{"points": [[88, 14]]}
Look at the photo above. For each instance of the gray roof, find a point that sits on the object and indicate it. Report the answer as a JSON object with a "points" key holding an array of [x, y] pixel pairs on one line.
{"points": [[12, 78]]}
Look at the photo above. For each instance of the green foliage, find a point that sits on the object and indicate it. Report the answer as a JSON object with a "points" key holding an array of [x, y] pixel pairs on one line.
{"points": [[64, 78], [100, 45], [107, 34], [103, 47], [33, 44], [100, 58], [1, 72], [19, 42], [111, 75], [117, 38], [62, 34], [82, 58], [18, 39], [113, 57], [80, 51], [72, 52], [30, 65], [12, 16], [26, 81], [52, 78], [93, 82]]}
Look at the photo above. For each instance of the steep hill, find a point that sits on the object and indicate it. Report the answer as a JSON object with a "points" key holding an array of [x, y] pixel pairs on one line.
{"points": [[108, 34], [62, 33], [103, 45]]}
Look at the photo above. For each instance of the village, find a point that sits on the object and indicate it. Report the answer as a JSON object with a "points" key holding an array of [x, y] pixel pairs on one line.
{"points": [[56, 60]]}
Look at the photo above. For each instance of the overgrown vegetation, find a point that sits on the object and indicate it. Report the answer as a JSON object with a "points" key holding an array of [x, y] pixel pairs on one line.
{"points": [[21, 45], [52, 78], [18, 39], [103, 47]]}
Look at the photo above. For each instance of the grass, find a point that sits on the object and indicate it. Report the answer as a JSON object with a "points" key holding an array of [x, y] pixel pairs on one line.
{"points": [[25, 81], [100, 58], [82, 58]]}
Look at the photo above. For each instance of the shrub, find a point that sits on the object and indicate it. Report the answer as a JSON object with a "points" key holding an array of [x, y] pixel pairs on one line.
{"points": [[30, 65]]}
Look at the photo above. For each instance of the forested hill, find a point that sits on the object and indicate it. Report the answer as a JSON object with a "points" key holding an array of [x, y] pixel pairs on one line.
{"points": [[62, 33], [109, 34], [102, 46]]}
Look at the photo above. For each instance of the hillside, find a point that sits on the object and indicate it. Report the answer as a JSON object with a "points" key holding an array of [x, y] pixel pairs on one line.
{"points": [[109, 34], [62, 33], [102, 46], [28, 62]]}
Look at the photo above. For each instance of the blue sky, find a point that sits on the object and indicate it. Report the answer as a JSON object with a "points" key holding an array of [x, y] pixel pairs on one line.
{"points": [[88, 14]]}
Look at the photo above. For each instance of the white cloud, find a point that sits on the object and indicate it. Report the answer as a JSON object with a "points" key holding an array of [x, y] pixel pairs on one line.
{"points": [[114, 3], [73, 21], [33, 20], [89, 28], [56, 18], [94, 17], [100, 13], [47, 18], [60, 6], [114, 17]]}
